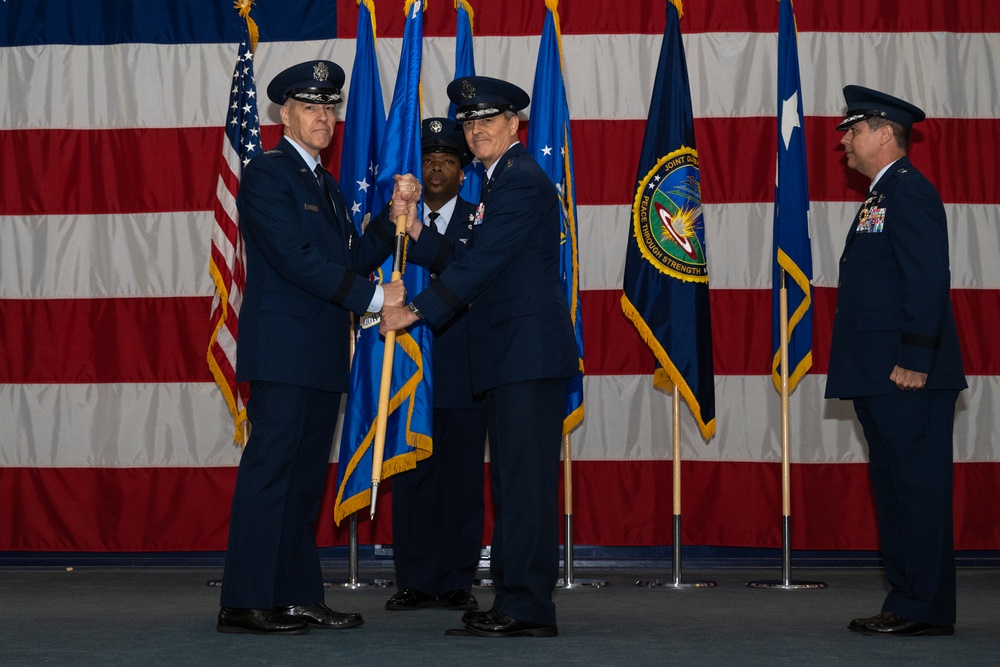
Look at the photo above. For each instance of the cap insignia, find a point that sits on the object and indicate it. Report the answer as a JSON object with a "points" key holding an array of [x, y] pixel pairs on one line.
{"points": [[468, 90], [435, 126], [321, 72]]}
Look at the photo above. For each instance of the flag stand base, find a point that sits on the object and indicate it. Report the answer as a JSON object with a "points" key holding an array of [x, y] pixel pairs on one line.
{"points": [[676, 583], [567, 582], [786, 582], [788, 585], [352, 582]]}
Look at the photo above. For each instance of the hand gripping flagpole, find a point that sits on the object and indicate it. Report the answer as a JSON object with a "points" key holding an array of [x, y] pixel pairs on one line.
{"points": [[378, 446], [786, 581]]}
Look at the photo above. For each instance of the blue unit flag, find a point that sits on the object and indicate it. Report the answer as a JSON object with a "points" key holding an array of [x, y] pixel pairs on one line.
{"points": [[549, 142], [374, 150], [666, 267]]}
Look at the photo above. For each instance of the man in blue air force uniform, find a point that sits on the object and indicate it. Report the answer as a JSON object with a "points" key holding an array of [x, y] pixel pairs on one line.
{"points": [[306, 269], [895, 353], [521, 345], [437, 508]]}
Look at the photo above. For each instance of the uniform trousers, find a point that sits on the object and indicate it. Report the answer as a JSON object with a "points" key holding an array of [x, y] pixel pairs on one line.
{"points": [[272, 559], [437, 508], [524, 423], [909, 436]]}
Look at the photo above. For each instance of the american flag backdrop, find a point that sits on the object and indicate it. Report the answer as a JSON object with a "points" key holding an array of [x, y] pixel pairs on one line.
{"points": [[113, 434]]}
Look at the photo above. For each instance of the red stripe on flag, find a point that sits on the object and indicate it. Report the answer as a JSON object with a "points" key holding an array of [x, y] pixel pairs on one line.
{"points": [[163, 339], [135, 170], [165, 169], [725, 504], [584, 17], [105, 340], [741, 332]]}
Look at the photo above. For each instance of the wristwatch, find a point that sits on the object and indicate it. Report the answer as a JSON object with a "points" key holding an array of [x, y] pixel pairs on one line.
{"points": [[413, 309]]}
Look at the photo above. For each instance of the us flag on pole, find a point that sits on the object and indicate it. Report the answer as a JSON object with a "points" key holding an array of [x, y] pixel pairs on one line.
{"points": [[228, 261]]}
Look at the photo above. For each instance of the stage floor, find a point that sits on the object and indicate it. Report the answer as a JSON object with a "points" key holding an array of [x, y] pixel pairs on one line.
{"points": [[166, 616]]}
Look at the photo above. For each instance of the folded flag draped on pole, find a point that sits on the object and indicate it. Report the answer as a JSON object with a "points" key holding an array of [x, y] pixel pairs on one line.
{"points": [[408, 432], [792, 252], [227, 261], [666, 269], [465, 65], [550, 143]]}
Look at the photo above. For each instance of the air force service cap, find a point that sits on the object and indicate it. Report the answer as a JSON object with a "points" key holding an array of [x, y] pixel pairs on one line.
{"points": [[315, 82], [865, 103], [482, 97], [443, 135]]}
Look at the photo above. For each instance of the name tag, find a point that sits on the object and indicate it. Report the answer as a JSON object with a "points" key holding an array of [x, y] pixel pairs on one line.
{"points": [[310, 207]]}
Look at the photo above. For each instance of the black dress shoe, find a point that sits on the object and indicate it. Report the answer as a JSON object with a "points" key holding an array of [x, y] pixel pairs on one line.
{"points": [[459, 599], [409, 599], [495, 624], [321, 617], [469, 616], [859, 623], [258, 622], [893, 625]]}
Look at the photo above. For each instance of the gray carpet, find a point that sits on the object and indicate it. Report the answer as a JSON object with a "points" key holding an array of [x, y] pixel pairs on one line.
{"points": [[166, 616]]}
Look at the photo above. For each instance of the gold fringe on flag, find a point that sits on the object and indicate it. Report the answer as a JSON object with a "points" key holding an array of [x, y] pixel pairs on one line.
{"points": [[420, 443], [370, 6], [408, 4], [464, 4], [244, 9], [668, 377], [240, 422], [680, 8], [553, 6]]}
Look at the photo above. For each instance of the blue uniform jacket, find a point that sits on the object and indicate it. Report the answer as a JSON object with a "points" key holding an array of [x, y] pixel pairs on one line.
{"points": [[306, 269], [893, 299], [518, 319]]}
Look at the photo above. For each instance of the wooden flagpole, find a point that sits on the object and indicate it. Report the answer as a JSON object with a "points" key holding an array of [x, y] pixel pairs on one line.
{"points": [[676, 582], [353, 582], [786, 581], [378, 446], [568, 581]]}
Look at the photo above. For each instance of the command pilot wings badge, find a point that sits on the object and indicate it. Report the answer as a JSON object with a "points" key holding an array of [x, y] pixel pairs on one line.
{"points": [[666, 217]]}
